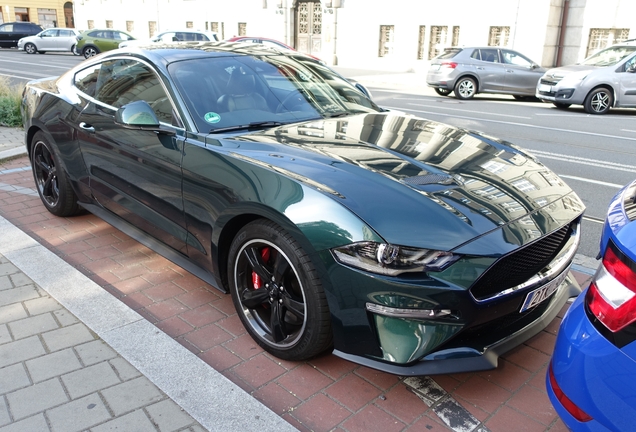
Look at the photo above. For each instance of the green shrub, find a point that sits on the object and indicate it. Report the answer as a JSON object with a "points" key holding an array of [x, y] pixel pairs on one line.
{"points": [[10, 98]]}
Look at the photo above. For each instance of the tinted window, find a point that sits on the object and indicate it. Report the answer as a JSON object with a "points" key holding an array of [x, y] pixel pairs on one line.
{"points": [[22, 28], [86, 80], [6, 28], [490, 55]]}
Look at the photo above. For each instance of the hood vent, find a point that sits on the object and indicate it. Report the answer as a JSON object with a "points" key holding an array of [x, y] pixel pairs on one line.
{"points": [[427, 179]]}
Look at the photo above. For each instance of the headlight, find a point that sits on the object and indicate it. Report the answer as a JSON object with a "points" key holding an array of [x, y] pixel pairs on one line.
{"points": [[392, 260]]}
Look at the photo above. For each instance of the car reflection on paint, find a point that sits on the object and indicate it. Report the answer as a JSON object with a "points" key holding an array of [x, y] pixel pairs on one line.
{"points": [[392, 241]]}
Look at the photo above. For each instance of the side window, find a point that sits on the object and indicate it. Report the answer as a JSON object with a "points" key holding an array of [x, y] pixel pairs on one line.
{"points": [[86, 80], [168, 37], [490, 55], [66, 33], [475, 55], [629, 64], [50, 33], [6, 28], [21, 28], [126, 81], [514, 58]]}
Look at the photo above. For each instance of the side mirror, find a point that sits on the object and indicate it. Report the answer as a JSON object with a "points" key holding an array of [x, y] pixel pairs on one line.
{"points": [[631, 68], [139, 115], [363, 90]]}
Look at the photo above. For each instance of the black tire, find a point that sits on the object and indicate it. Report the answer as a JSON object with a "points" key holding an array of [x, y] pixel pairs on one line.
{"points": [[30, 48], [465, 88], [599, 101], [74, 50], [443, 91], [561, 105], [90, 51], [51, 181], [287, 312]]}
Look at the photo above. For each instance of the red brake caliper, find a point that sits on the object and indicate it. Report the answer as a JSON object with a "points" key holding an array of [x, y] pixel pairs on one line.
{"points": [[256, 279]]}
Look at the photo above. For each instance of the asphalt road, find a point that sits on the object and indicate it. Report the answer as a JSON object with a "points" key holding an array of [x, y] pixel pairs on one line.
{"points": [[595, 155]]}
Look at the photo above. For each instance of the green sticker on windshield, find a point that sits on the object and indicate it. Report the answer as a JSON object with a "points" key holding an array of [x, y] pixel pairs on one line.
{"points": [[212, 117]]}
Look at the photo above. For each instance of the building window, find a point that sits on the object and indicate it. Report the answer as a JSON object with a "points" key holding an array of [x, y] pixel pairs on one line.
{"points": [[21, 14], [439, 35], [242, 29], [109, 24], [152, 28], [214, 26], [90, 24], [130, 26], [47, 18], [499, 36], [602, 38], [189, 24], [420, 43], [386, 40], [455, 41]]}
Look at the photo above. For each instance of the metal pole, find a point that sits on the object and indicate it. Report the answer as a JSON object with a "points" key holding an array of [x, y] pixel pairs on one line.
{"points": [[335, 36]]}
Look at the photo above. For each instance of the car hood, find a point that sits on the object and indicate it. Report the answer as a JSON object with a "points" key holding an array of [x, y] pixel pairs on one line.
{"points": [[415, 182], [562, 71]]}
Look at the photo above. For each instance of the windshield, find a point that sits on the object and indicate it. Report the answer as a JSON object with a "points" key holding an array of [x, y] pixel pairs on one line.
{"points": [[226, 92], [609, 56]]}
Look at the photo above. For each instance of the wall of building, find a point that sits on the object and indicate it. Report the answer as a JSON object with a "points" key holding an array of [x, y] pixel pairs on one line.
{"points": [[32, 6], [351, 34]]}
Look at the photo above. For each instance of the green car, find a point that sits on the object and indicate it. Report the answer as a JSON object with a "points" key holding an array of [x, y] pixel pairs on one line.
{"points": [[95, 41]]}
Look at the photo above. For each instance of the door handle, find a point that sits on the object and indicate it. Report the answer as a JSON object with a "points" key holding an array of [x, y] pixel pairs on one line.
{"points": [[480, 68], [510, 71], [88, 128]]}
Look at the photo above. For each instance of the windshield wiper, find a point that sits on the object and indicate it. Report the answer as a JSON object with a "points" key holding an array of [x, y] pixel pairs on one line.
{"points": [[253, 125], [342, 114]]}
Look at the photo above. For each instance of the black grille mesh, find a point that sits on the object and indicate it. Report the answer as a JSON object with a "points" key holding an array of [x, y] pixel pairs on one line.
{"points": [[520, 265]]}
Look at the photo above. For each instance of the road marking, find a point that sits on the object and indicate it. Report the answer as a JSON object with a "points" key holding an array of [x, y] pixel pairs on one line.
{"points": [[598, 182], [551, 129], [584, 161], [627, 130], [34, 64], [20, 77], [594, 219], [472, 111]]}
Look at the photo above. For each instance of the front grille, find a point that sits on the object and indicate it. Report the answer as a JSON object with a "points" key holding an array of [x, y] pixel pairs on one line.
{"points": [[520, 265], [549, 81]]}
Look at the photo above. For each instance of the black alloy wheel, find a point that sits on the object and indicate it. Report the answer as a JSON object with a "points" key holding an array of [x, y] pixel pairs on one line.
{"points": [[443, 91], [54, 189], [277, 292], [89, 51], [599, 101], [30, 48]]}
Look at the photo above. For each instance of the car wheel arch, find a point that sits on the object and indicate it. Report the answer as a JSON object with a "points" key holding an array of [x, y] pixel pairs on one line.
{"points": [[606, 86], [473, 77]]}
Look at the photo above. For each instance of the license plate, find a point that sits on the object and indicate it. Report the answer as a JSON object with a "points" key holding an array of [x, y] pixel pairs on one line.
{"points": [[541, 294], [545, 88]]}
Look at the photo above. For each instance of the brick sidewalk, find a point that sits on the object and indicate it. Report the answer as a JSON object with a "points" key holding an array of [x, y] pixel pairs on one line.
{"points": [[322, 394]]}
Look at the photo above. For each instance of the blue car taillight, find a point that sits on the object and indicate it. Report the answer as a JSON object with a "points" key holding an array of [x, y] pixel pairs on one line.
{"points": [[611, 297]]}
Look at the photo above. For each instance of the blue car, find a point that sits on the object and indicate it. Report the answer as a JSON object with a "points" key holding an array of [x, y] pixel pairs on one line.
{"points": [[591, 380]]}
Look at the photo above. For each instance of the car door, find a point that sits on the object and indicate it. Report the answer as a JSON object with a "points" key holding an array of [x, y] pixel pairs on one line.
{"points": [[488, 68], [521, 73], [6, 35], [133, 173], [626, 77], [47, 40]]}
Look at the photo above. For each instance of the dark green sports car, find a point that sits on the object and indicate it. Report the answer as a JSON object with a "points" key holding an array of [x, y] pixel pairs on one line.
{"points": [[399, 243]]}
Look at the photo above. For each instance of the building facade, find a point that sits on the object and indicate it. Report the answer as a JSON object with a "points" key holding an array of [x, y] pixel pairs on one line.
{"points": [[378, 34], [47, 13]]}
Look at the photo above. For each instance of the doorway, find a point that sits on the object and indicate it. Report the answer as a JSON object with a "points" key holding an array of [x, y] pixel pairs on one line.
{"points": [[309, 27]]}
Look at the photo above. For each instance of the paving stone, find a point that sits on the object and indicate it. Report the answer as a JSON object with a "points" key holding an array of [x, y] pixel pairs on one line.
{"points": [[79, 414], [65, 317], [131, 395], [6, 268], [24, 349], [90, 379], [36, 398], [95, 352], [50, 365], [35, 423], [5, 337], [168, 415], [16, 295], [41, 305], [5, 283], [124, 369], [67, 337], [13, 377], [32, 325], [20, 279], [135, 421], [5, 418], [11, 313]]}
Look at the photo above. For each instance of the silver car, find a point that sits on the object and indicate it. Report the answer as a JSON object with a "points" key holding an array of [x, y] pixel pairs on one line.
{"points": [[174, 36], [53, 39], [604, 80], [471, 70]]}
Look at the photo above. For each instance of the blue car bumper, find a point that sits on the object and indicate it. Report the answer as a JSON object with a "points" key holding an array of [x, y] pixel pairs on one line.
{"points": [[595, 375]]}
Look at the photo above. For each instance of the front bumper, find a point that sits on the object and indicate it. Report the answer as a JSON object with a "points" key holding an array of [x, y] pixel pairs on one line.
{"points": [[560, 94], [464, 359]]}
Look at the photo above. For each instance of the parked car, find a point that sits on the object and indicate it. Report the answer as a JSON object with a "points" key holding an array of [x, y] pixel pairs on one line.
{"points": [[467, 71], [590, 380], [267, 42], [53, 39], [93, 42], [174, 36], [398, 242], [12, 32], [602, 81]]}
